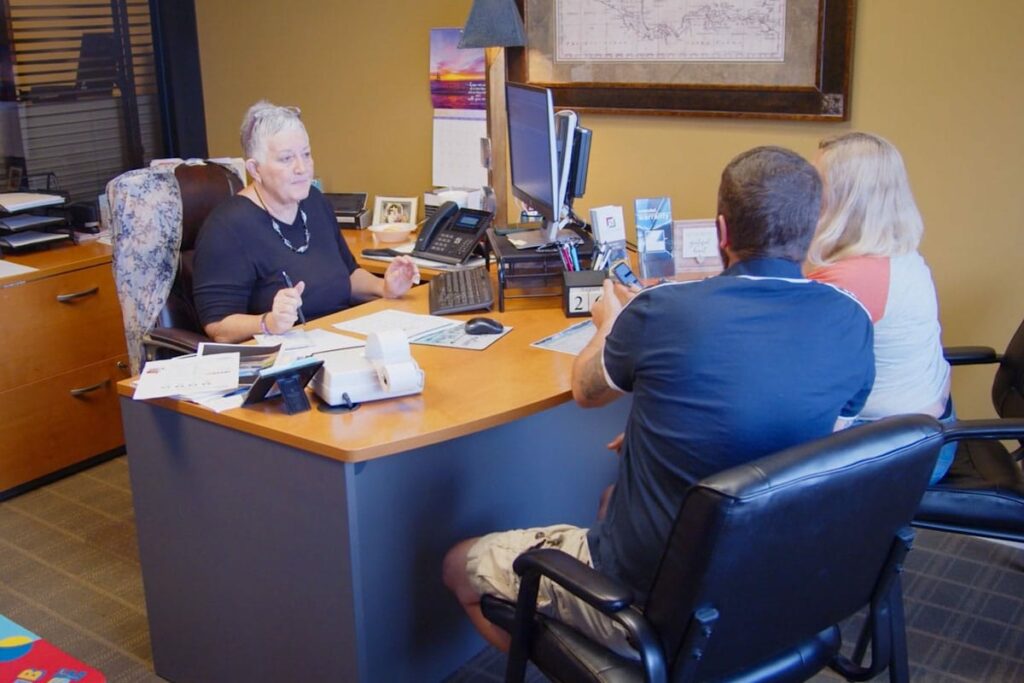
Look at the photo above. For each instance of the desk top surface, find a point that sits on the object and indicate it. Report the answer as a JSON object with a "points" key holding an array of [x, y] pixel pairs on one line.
{"points": [[465, 391], [358, 240]]}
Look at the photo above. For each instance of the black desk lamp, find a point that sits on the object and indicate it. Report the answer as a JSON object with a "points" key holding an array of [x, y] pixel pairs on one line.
{"points": [[494, 24]]}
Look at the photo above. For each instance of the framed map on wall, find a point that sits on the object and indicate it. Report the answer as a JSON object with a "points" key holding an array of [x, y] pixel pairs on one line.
{"points": [[749, 58]]}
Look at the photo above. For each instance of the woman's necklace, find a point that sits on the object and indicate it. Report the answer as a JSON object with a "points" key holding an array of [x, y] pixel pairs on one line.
{"points": [[277, 228]]}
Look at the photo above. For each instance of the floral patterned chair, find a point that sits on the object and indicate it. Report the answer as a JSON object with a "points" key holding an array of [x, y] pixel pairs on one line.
{"points": [[156, 214]]}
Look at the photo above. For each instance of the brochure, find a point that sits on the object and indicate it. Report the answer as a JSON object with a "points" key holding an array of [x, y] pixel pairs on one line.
{"points": [[252, 359], [654, 237], [187, 375]]}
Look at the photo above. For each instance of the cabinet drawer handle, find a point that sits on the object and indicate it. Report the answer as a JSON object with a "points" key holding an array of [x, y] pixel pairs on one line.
{"points": [[66, 298], [82, 391]]}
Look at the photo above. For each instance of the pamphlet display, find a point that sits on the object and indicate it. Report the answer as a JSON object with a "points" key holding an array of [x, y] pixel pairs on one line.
{"points": [[654, 237]]}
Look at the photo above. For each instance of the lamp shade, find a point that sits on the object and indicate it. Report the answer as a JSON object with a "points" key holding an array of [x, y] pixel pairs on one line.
{"points": [[493, 23]]}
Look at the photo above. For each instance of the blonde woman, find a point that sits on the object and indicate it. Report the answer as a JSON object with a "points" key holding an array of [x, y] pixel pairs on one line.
{"points": [[866, 242]]}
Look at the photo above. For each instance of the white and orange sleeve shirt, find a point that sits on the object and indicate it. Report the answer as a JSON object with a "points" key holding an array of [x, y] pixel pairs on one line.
{"points": [[911, 375]]}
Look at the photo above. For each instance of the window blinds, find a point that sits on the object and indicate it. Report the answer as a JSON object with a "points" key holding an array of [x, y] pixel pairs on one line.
{"points": [[86, 90]]}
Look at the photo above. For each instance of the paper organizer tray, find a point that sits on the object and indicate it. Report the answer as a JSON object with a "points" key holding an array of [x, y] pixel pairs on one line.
{"points": [[349, 375]]}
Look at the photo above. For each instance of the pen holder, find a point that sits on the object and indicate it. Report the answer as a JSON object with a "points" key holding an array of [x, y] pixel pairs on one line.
{"points": [[580, 289]]}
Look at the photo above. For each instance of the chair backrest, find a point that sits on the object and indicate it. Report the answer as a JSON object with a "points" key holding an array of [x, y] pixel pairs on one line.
{"points": [[202, 188], [156, 213], [1008, 385], [788, 545]]}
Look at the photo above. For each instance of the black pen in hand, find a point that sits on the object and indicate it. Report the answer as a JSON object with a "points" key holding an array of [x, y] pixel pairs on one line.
{"points": [[288, 281]]}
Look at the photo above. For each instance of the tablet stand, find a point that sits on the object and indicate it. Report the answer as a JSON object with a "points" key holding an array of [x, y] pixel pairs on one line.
{"points": [[291, 381], [293, 390]]}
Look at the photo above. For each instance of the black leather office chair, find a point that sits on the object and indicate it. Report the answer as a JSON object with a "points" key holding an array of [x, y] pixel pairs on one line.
{"points": [[763, 562], [983, 493], [156, 215]]}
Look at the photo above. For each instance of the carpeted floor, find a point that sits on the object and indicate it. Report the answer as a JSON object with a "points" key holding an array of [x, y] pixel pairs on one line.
{"points": [[69, 572]]}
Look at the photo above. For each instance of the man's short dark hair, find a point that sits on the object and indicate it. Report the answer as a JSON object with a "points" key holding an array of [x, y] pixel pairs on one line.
{"points": [[771, 199]]}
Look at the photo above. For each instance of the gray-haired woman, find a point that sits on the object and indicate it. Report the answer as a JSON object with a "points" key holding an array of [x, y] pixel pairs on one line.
{"points": [[276, 245]]}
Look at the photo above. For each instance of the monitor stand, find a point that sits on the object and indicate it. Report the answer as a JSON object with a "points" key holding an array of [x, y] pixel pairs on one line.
{"points": [[536, 235], [529, 273]]}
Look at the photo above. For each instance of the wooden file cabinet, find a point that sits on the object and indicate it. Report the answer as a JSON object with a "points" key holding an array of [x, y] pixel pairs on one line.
{"points": [[64, 350]]}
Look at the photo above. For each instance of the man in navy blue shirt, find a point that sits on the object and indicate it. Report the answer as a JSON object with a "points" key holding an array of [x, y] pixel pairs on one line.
{"points": [[722, 371]]}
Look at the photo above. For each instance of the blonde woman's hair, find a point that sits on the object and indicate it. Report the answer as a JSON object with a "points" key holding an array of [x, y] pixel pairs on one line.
{"points": [[867, 207], [263, 121]]}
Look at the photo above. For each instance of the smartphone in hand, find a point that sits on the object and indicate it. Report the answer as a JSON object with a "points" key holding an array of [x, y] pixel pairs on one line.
{"points": [[621, 271]]}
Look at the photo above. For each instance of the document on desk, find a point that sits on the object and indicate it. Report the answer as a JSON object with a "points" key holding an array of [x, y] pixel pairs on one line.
{"points": [[219, 401], [412, 324], [299, 343], [252, 358], [8, 269], [187, 375], [571, 340], [455, 337], [21, 201]]}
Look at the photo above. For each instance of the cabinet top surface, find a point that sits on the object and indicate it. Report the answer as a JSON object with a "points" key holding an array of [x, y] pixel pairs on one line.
{"points": [[57, 259]]}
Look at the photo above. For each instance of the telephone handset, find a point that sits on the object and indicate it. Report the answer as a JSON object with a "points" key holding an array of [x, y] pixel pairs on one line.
{"points": [[451, 233]]}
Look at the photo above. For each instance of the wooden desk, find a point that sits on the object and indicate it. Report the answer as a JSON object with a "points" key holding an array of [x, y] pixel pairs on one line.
{"points": [[275, 547], [64, 349]]}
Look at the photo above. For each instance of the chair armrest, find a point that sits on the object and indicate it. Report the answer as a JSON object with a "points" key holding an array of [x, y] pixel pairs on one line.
{"points": [[1005, 428], [174, 339], [586, 583], [601, 592], [970, 355]]}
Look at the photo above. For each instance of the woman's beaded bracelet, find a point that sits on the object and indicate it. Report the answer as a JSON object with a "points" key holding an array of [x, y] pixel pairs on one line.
{"points": [[263, 324]]}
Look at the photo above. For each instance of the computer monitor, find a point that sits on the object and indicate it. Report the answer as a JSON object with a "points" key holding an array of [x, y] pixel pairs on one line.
{"points": [[533, 152], [548, 156]]}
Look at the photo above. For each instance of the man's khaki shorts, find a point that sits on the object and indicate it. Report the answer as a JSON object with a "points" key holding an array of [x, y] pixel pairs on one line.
{"points": [[489, 566]]}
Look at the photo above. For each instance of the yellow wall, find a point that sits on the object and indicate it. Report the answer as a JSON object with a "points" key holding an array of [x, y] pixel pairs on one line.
{"points": [[939, 78]]}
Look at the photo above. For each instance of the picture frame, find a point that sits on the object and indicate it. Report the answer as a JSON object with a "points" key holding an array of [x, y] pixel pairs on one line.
{"points": [[394, 210], [811, 81]]}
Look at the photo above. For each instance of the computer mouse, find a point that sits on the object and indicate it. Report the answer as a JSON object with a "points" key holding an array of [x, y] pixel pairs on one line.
{"points": [[483, 326]]}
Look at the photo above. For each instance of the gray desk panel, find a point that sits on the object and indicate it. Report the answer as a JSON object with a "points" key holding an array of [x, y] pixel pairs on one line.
{"points": [[228, 528], [262, 562], [547, 469]]}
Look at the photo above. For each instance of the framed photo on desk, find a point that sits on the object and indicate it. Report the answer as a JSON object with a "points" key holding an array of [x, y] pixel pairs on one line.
{"points": [[394, 210]]}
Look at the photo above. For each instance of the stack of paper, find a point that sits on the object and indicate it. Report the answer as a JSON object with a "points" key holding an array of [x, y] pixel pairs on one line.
{"points": [[21, 201]]}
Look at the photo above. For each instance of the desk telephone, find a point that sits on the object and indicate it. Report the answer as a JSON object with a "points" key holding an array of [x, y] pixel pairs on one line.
{"points": [[451, 233]]}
